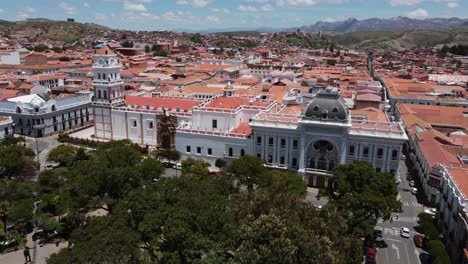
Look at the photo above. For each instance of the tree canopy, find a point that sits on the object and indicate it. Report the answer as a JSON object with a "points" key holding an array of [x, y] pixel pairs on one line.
{"points": [[363, 196]]}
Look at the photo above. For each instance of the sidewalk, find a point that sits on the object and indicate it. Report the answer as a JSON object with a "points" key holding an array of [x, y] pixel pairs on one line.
{"points": [[43, 253]]}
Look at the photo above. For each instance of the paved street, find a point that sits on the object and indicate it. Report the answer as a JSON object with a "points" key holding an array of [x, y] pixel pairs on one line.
{"points": [[396, 249], [44, 146]]}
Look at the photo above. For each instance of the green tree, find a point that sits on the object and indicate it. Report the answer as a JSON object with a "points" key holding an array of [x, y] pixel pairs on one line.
{"points": [[102, 240], [16, 160], [247, 170], [282, 182], [151, 169], [63, 154], [195, 167], [220, 164], [5, 209], [362, 195]]}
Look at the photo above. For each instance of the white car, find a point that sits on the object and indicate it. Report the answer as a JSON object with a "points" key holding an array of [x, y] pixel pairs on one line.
{"points": [[178, 166], [431, 211], [414, 191], [403, 157], [404, 232]]}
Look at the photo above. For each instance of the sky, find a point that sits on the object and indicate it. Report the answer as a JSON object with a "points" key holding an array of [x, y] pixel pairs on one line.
{"points": [[219, 14]]}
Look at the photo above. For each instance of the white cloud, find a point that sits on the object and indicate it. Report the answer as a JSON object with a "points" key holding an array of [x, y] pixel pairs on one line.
{"points": [[247, 8], [1, 10], [26, 12], [68, 9], [404, 2], [308, 2], [418, 13], [86, 4], [100, 16], [329, 20], [194, 3], [449, 3], [221, 10], [212, 19], [266, 8], [134, 7]]}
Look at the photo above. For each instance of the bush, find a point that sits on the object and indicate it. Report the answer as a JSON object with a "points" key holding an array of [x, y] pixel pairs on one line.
{"points": [[428, 228], [437, 250]]}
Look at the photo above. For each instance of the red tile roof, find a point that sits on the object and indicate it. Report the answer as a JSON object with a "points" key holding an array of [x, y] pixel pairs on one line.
{"points": [[233, 102], [168, 103], [243, 129]]}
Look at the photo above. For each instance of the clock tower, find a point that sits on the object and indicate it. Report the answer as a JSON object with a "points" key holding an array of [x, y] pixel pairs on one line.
{"points": [[108, 90]]}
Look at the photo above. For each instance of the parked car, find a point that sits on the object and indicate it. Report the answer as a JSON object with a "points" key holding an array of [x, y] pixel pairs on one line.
{"points": [[431, 211], [9, 245], [178, 166], [425, 258], [420, 241], [403, 157], [411, 183], [404, 232], [414, 191], [44, 236]]}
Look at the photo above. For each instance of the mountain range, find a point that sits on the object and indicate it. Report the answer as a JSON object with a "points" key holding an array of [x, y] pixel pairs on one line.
{"points": [[390, 24]]}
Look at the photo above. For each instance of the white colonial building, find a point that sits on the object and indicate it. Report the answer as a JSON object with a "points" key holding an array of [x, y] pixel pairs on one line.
{"points": [[227, 126], [326, 135], [6, 127], [42, 115]]}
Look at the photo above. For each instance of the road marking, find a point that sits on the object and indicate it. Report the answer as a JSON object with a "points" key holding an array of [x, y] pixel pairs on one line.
{"points": [[397, 250], [393, 240], [389, 231], [407, 253]]}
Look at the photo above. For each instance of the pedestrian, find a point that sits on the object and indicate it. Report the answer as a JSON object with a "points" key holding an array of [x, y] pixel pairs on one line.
{"points": [[27, 255], [57, 242], [397, 215]]}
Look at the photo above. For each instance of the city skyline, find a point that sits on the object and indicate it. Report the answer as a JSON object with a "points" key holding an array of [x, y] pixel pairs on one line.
{"points": [[203, 14]]}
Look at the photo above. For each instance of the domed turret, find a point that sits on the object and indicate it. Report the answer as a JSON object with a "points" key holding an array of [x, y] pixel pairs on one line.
{"points": [[229, 90], [328, 105]]}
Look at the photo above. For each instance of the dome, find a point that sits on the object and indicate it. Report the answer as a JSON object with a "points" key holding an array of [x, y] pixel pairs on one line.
{"points": [[328, 105], [229, 86]]}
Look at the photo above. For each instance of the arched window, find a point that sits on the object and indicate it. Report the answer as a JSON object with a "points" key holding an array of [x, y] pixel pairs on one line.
{"points": [[99, 76], [53, 108], [322, 163], [312, 163], [316, 108], [18, 110], [105, 94]]}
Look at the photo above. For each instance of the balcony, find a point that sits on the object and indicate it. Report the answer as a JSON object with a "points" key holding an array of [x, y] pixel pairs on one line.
{"points": [[318, 172]]}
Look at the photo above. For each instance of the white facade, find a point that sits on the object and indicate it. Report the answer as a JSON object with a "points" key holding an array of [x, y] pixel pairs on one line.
{"points": [[6, 127], [38, 115], [108, 90], [452, 213], [10, 58]]}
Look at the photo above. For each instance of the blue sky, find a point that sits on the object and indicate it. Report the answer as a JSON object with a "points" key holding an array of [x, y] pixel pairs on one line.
{"points": [[204, 14]]}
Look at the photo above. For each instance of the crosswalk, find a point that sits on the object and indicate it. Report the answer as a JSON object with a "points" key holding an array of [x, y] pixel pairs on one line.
{"points": [[410, 204], [406, 219]]}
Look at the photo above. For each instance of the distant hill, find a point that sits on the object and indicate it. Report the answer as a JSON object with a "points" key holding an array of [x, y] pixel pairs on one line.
{"points": [[68, 32], [397, 40], [391, 24]]}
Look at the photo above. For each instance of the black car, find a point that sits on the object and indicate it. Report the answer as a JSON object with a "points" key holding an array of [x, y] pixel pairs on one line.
{"points": [[9, 245], [425, 258]]}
